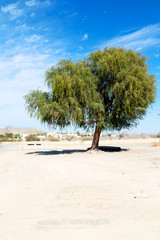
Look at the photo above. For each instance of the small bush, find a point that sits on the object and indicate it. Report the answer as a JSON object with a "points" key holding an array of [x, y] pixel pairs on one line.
{"points": [[69, 137], [42, 134], [87, 138], [52, 139], [8, 137], [3, 138], [155, 144], [32, 137]]}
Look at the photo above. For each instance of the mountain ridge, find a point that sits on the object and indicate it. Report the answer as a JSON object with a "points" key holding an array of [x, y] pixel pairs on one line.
{"points": [[14, 130]]}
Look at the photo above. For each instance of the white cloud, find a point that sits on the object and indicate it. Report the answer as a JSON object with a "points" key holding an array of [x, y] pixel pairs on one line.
{"points": [[10, 67], [33, 38], [80, 48], [47, 3], [84, 18], [10, 41], [33, 14], [9, 8], [25, 72], [24, 28], [85, 37], [32, 3], [19, 74], [144, 38], [13, 10], [138, 49], [60, 50]]}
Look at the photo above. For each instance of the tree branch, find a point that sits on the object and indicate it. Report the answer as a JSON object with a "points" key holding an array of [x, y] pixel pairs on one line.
{"points": [[89, 122]]}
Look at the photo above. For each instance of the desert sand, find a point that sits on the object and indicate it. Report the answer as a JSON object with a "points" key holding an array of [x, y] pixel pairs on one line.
{"points": [[59, 191]]}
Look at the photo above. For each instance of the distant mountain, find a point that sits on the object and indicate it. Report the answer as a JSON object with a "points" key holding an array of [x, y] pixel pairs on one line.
{"points": [[14, 130]]}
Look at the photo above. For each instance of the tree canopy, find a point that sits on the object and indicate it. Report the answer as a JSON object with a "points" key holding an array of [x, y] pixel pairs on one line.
{"points": [[111, 89]]}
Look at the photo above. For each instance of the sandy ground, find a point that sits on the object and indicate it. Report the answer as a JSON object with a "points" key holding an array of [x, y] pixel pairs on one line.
{"points": [[53, 191]]}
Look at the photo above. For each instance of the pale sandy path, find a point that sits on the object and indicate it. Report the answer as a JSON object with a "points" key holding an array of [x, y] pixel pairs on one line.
{"points": [[102, 195]]}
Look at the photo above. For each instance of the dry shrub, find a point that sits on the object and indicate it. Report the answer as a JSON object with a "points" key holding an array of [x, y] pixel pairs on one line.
{"points": [[155, 144], [32, 137], [69, 137], [53, 139], [87, 138]]}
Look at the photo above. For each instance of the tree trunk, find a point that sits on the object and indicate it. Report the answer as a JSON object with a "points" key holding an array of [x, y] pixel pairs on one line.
{"points": [[96, 138]]}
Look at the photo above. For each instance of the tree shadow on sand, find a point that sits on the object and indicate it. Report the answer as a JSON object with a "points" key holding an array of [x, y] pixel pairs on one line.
{"points": [[70, 151]]}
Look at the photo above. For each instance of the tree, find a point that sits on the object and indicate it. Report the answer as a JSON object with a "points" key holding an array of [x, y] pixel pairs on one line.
{"points": [[111, 89]]}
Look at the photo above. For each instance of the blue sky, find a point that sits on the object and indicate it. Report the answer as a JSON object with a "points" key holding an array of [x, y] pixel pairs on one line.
{"points": [[36, 34]]}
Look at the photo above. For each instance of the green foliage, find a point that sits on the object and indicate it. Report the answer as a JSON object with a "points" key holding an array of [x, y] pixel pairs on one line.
{"points": [[42, 134], [157, 135], [9, 137], [78, 133], [3, 138], [125, 85], [17, 136], [32, 137], [111, 89], [72, 96]]}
